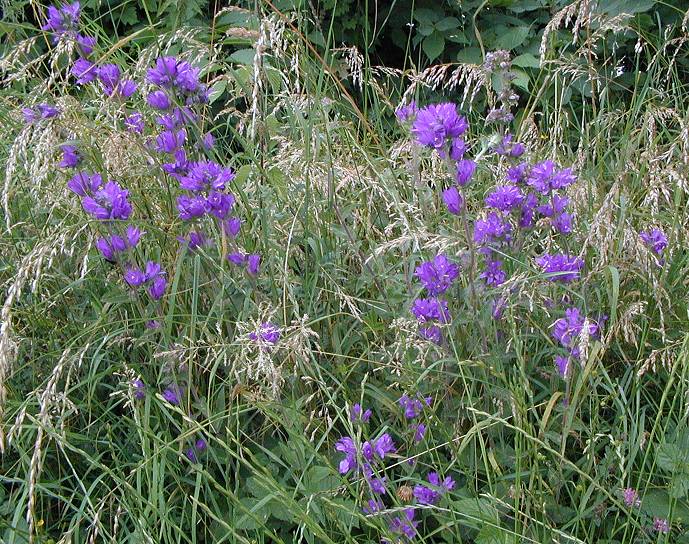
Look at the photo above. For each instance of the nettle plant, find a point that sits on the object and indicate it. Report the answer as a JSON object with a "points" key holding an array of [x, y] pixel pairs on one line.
{"points": [[167, 131]]}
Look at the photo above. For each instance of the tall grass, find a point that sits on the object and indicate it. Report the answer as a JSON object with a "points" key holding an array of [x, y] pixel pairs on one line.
{"points": [[342, 206]]}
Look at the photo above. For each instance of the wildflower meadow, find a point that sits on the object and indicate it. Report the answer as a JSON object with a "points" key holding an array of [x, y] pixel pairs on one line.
{"points": [[334, 272]]}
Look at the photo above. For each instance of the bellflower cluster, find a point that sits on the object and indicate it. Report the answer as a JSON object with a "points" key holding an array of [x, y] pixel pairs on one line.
{"points": [[194, 451], [367, 459], [439, 126], [407, 114], [41, 111], [111, 80], [655, 239], [413, 407], [404, 525], [661, 525], [63, 22], [567, 331], [437, 276], [560, 267], [631, 497], [358, 415], [267, 335], [431, 494], [498, 63]]}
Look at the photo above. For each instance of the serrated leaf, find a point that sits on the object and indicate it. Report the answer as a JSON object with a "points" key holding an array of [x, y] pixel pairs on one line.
{"points": [[490, 534], [433, 45], [426, 16], [679, 486], [475, 512]]}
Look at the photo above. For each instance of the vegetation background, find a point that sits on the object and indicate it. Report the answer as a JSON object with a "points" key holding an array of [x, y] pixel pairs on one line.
{"points": [[335, 197]]}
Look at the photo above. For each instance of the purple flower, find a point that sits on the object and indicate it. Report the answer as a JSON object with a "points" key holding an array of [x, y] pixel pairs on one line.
{"points": [[195, 240], [84, 184], [419, 431], [219, 204], [173, 394], [661, 525], [86, 44], [84, 71], [509, 148], [112, 246], [562, 364], [373, 506], [191, 455], [544, 177], [134, 122], [267, 333], [432, 333], [231, 226], [505, 198], [207, 176], [134, 277], [158, 100], [517, 174], [567, 329], [560, 267], [70, 156], [493, 273], [62, 20], [384, 445], [425, 495], [437, 274], [453, 200], [252, 264], [180, 167], [170, 141], [631, 498], [109, 202], [30, 115], [436, 125], [491, 229], [47, 111], [430, 309], [563, 223], [190, 207], [405, 524], [406, 113], [139, 389], [207, 141], [413, 406], [445, 485], [528, 208], [164, 73], [357, 414], [465, 171], [346, 445], [655, 239], [237, 258]]}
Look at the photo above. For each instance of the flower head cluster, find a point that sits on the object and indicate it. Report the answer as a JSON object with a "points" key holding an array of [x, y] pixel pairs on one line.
{"points": [[365, 459], [413, 407], [430, 494], [358, 414], [560, 267], [41, 111], [266, 335], [407, 113], [152, 277], [440, 126], [404, 525], [567, 331], [661, 525], [194, 451], [654, 239], [63, 21], [437, 276], [631, 497], [111, 80]]}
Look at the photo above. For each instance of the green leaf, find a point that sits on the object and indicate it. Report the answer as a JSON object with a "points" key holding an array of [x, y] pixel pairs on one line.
{"points": [[527, 60], [512, 38], [470, 55], [426, 16], [448, 23], [433, 45], [616, 7], [679, 485], [490, 534], [216, 91], [475, 513], [521, 80], [527, 5], [243, 56]]}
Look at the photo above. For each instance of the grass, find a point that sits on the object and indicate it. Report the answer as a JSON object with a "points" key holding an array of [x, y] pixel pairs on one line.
{"points": [[342, 207]]}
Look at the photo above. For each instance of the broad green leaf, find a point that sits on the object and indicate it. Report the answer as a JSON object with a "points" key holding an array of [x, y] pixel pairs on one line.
{"points": [[617, 7], [243, 56], [512, 38], [679, 485], [470, 55], [490, 534], [527, 60], [426, 16], [448, 23], [433, 45]]}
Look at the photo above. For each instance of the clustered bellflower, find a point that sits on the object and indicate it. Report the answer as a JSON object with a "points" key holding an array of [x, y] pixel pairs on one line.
{"points": [[567, 331], [437, 276]]}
